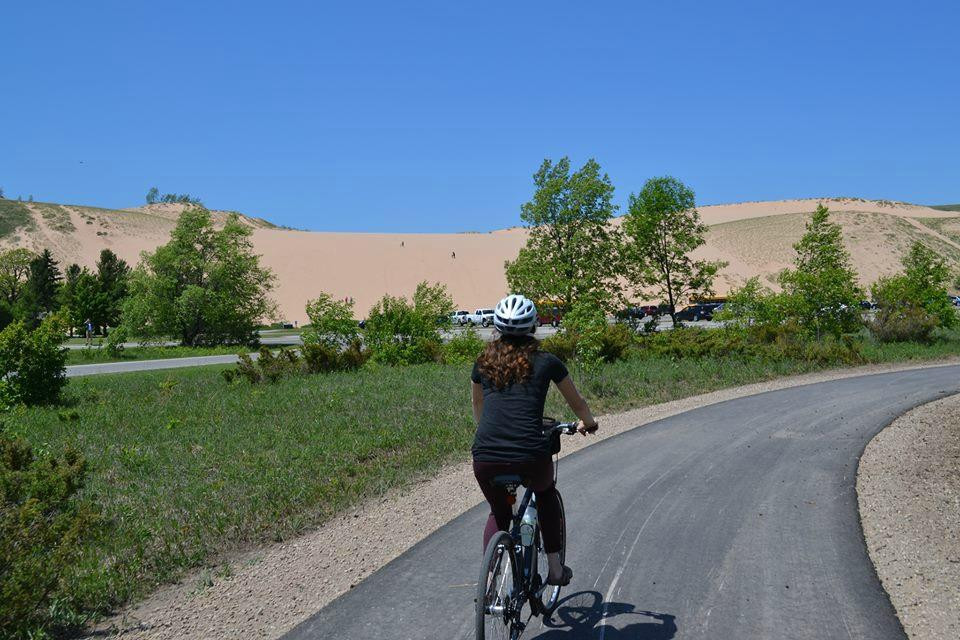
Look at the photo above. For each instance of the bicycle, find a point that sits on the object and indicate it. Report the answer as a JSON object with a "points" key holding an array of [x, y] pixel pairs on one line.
{"points": [[514, 566]]}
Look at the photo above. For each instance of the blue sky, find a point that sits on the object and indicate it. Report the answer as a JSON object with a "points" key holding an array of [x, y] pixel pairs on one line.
{"points": [[433, 116]]}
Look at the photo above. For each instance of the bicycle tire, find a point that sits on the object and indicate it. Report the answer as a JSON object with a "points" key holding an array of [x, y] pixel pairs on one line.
{"points": [[494, 587], [551, 594]]}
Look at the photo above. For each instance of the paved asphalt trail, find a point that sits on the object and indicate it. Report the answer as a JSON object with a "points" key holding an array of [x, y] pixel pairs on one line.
{"points": [[125, 366], [734, 521]]}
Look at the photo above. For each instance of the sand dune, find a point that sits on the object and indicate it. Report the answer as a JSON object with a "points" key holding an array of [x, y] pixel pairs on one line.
{"points": [[756, 238]]}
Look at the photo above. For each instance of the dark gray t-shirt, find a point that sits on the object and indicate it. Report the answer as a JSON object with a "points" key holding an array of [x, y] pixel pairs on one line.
{"points": [[511, 426]]}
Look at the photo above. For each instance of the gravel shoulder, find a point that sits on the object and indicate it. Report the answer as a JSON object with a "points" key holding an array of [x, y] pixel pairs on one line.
{"points": [[908, 487], [265, 593]]}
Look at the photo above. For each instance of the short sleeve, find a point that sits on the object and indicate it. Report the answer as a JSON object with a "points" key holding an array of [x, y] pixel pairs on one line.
{"points": [[557, 370], [475, 375]]}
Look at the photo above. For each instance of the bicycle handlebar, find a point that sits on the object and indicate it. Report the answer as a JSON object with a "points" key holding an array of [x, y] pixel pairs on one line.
{"points": [[569, 428]]}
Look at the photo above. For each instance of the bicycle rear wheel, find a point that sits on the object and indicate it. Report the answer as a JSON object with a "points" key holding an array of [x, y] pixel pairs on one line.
{"points": [[499, 581], [551, 594]]}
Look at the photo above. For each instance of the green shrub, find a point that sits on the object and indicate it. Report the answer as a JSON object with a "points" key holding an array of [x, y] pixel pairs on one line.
{"points": [[751, 305], [320, 358], [312, 358], [695, 343], [115, 342], [331, 322], [399, 332], [563, 345], [907, 323], [42, 528], [613, 343], [32, 363], [274, 366], [354, 356], [616, 341], [463, 348], [913, 298], [760, 342]]}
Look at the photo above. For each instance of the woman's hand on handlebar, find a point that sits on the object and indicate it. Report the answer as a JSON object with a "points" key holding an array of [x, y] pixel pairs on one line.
{"points": [[584, 429]]}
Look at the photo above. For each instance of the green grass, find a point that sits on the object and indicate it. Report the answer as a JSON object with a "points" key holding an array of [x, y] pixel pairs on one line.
{"points": [[14, 215], [949, 227], [188, 468], [946, 207], [93, 355]]}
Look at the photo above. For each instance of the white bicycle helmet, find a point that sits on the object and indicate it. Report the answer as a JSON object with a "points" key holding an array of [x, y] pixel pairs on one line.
{"points": [[515, 315]]}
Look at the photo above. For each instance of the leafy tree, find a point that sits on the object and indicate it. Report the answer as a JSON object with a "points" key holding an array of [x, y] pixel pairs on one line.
{"points": [[89, 302], [752, 304], [433, 301], [821, 293], [14, 270], [113, 275], [41, 292], [922, 286], [663, 228], [572, 251], [68, 292], [331, 322], [399, 331], [204, 286], [154, 196]]}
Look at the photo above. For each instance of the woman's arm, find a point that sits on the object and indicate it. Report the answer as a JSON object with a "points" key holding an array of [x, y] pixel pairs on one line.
{"points": [[477, 397], [578, 405]]}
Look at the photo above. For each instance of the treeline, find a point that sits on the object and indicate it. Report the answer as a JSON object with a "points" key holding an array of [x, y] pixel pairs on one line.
{"points": [[32, 287], [154, 197]]}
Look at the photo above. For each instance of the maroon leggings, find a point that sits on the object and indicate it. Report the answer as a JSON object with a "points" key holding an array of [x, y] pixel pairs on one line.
{"points": [[540, 475]]}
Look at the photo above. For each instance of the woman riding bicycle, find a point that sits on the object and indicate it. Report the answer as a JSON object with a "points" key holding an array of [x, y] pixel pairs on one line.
{"points": [[510, 383]]}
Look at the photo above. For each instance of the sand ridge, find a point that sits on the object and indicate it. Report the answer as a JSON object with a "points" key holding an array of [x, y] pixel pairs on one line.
{"points": [[755, 238]]}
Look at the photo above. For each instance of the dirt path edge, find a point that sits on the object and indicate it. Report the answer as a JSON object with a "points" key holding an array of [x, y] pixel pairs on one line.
{"points": [[908, 490], [265, 593]]}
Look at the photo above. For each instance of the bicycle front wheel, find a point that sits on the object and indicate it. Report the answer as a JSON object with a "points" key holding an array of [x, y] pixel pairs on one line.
{"points": [[551, 594], [496, 588]]}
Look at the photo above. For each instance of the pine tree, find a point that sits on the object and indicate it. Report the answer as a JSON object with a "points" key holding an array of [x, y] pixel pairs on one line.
{"points": [[113, 274], [41, 294]]}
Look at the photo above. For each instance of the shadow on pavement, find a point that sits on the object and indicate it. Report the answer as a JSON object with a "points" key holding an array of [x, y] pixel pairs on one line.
{"points": [[585, 615]]}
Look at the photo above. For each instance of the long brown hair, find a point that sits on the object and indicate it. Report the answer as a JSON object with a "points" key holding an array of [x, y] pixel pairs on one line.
{"points": [[508, 360]]}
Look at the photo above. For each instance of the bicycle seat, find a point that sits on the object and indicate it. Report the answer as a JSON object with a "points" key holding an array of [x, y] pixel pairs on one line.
{"points": [[510, 481]]}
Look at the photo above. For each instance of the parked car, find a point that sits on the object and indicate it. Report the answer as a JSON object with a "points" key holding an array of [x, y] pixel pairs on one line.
{"points": [[460, 317], [955, 300], [696, 312], [550, 315], [650, 309], [482, 317], [630, 315], [867, 305]]}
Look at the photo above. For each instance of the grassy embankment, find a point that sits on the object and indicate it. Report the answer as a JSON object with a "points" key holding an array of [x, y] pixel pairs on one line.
{"points": [[14, 215], [187, 468]]}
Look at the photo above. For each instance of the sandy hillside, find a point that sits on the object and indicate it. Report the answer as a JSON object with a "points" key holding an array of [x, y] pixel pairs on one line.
{"points": [[756, 238]]}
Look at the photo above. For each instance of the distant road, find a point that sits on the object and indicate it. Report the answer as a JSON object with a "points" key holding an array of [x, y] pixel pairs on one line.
{"points": [[264, 339], [78, 370]]}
